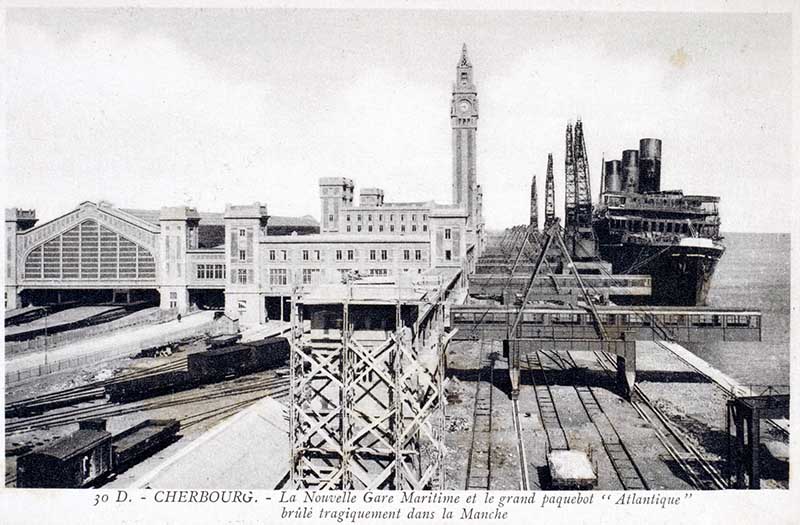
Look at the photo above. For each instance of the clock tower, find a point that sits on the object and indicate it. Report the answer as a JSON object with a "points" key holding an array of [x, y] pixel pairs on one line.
{"points": [[464, 122]]}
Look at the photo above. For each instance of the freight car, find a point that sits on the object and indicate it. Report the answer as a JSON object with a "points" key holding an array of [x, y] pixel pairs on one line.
{"points": [[206, 367], [71, 462], [131, 445], [91, 453], [236, 360], [148, 386], [219, 363]]}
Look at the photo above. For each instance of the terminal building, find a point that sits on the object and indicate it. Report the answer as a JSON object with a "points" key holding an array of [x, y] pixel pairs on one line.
{"points": [[244, 260]]}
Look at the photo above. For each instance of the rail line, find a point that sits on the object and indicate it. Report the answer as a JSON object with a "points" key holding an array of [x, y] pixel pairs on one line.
{"points": [[273, 385], [702, 475], [95, 388], [554, 430], [621, 460], [479, 462], [524, 477]]}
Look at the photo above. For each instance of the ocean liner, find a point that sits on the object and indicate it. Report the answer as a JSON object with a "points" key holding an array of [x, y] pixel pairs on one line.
{"points": [[641, 229]]}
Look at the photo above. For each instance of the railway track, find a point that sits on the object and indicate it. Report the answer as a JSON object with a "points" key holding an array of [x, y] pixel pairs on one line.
{"points": [[88, 391], [621, 460], [273, 385], [701, 474], [479, 461], [554, 430]]}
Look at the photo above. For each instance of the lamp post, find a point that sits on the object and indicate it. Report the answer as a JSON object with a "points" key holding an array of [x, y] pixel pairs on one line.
{"points": [[45, 335]]}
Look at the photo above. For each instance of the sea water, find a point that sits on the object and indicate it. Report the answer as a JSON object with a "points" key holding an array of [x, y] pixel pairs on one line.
{"points": [[754, 273]]}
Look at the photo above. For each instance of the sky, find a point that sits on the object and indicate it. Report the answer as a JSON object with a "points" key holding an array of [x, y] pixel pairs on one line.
{"points": [[146, 108]]}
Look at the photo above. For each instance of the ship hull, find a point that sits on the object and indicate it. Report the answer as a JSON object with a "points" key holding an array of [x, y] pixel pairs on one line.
{"points": [[680, 275]]}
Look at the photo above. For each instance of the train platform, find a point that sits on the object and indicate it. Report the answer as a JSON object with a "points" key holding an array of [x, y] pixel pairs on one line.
{"points": [[64, 319], [122, 343], [242, 452]]}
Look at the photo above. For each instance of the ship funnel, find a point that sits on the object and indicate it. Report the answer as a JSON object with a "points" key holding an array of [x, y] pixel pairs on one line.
{"points": [[649, 165], [630, 170], [614, 180]]}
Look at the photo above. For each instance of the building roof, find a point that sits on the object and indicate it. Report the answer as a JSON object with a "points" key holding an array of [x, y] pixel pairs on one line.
{"points": [[217, 219], [74, 444]]}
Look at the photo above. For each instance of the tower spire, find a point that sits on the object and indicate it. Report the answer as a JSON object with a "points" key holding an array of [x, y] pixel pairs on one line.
{"points": [[464, 58]]}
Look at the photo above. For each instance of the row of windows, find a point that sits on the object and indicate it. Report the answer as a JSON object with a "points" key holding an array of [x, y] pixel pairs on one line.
{"points": [[371, 229], [349, 255], [391, 217], [280, 276], [210, 271], [638, 225]]}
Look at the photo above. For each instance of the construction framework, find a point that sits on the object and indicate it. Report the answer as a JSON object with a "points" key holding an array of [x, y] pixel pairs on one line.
{"points": [[367, 413]]}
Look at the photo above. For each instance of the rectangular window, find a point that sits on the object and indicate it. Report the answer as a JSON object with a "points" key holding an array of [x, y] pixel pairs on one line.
{"points": [[417, 255], [413, 227], [277, 276], [308, 275], [369, 217], [242, 255], [447, 233], [380, 217], [406, 255], [241, 276], [372, 255], [402, 217], [272, 255], [242, 232], [402, 228], [424, 217], [358, 217], [348, 227], [348, 217], [350, 256], [424, 227], [219, 271], [305, 255], [369, 228], [413, 217], [448, 255], [338, 255], [317, 255], [391, 227], [384, 255], [201, 271], [380, 228], [358, 228], [330, 218], [284, 255], [379, 271]]}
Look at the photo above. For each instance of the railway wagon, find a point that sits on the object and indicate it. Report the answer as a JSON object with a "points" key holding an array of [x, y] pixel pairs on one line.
{"points": [[218, 363], [139, 388], [73, 461], [269, 353], [141, 440], [240, 359]]}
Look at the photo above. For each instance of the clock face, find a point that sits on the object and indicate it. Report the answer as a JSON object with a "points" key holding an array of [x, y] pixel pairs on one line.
{"points": [[463, 106]]}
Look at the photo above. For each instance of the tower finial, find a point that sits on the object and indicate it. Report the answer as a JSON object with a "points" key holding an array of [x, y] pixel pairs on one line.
{"points": [[464, 58]]}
